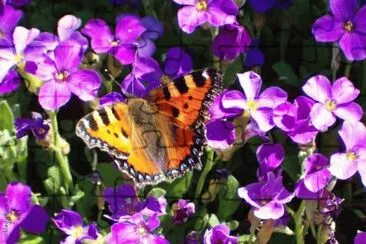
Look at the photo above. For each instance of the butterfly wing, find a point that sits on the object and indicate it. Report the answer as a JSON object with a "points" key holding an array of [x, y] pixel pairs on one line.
{"points": [[112, 129], [185, 103]]}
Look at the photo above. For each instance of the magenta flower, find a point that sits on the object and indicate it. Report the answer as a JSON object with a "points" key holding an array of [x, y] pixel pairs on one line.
{"points": [[145, 44], [270, 157], [111, 98], [37, 125], [122, 45], [136, 229], [62, 77], [70, 223], [316, 177], [267, 197], [332, 101], [360, 238], [67, 30], [231, 41], [259, 106], [346, 26], [182, 211], [294, 119], [344, 165], [9, 19], [124, 202], [24, 48], [17, 3], [219, 234], [17, 212], [10, 83], [197, 12]]}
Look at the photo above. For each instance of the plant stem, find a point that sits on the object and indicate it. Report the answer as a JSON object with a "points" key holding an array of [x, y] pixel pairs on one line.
{"points": [[347, 69], [206, 169], [253, 227], [299, 227], [62, 160]]}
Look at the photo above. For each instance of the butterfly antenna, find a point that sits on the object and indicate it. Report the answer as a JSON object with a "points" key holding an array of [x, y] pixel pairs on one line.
{"points": [[112, 78]]}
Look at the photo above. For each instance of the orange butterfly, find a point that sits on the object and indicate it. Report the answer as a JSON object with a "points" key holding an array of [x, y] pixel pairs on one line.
{"points": [[160, 137]]}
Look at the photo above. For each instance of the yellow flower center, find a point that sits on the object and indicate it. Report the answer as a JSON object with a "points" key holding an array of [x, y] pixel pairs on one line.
{"points": [[12, 217], [252, 105], [61, 76], [351, 156], [348, 26], [201, 5], [18, 58], [115, 43], [141, 231], [77, 232], [330, 105], [165, 80]]}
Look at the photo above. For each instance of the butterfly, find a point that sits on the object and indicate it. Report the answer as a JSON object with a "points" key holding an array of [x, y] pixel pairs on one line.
{"points": [[159, 137]]}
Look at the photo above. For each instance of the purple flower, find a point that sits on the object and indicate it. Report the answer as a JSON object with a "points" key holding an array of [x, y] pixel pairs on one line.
{"points": [[67, 30], [182, 211], [192, 237], [270, 157], [62, 77], [197, 12], [17, 3], [70, 223], [267, 197], [146, 73], [122, 45], [17, 212], [346, 26], [294, 119], [232, 40], [9, 18], [219, 234], [136, 229], [24, 48], [37, 125], [346, 164], [145, 44], [360, 238], [262, 6], [259, 106], [111, 98], [332, 101], [254, 56], [316, 176], [10, 83], [123, 201]]}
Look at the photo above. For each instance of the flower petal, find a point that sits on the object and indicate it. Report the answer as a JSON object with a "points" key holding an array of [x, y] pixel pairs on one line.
{"points": [[341, 167], [220, 134], [271, 210], [68, 56], [85, 84], [217, 17], [360, 20], [233, 99], [100, 34], [343, 91], [126, 54], [317, 180], [353, 46], [67, 25], [353, 133], [349, 111], [53, 95], [327, 29], [343, 9], [10, 83], [272, 97], [189, 18], [321, 118], [9, 18], [19, 196], [23, 37], [36, 213], [67, 220], [318, 88], [263, 117], [129, 28]]}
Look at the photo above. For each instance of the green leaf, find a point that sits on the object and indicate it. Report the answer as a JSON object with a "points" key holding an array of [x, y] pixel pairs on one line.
{"points": [[109, 173], [233, 225], [53, 182], [213, 220], [285, 73], [157, 192], [31, 239], [292, 167], [178, 187], [231, 71], [7, 117], [228, 199]]}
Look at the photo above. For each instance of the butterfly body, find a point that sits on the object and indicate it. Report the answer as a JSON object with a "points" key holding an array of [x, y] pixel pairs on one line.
{"points": [[159, 137]]}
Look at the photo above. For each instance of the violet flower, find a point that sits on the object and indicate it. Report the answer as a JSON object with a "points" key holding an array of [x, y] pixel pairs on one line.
{"points": [[122, 45], [332, 101], [316, 177], [192, 237], [262, 6], [9, 19], [145, 44], [294, 119], [346, 26], [111, 98], [17, 3], [360, 238], [23, 49], [70, 223], [267, 197], [270, 157], [182, 211], [259, 106], [66, 30], [62, 77], [37, 125], [231, 41], [197, 12], [136, 229], [18, 212], [10, 83], [254, 56], [219, 234], [123, 201], [344, 165]]}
